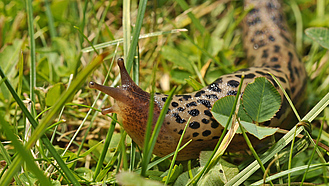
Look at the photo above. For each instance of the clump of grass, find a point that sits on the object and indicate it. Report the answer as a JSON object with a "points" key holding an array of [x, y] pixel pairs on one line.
{"points": [[38, 69]]}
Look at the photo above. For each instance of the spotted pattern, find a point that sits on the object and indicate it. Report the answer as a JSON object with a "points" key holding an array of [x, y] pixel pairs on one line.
{"points": [[269, 49]]}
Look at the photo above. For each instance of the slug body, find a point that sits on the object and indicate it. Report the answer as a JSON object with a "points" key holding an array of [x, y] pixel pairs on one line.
{"points": [[269, 48]]}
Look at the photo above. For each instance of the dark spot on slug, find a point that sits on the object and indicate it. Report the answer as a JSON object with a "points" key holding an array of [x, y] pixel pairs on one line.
{"points": [[186, 97], [277, 66], [218, 80], [271, 38], [276, 48], [191, 104], [178, 118], [215, 137], [206, 133], [212, 96], [254, 21], [195, 134], [180, 99], [274, 59], [198, 94], [261, 73], [174, 104], [285, 37], [194, 112], [214, 124], [265, 54], [259, 32], [181, 109], [205, 121], [164, 99], [214, 87], [207, 113], [180, 132], [232, 92], [249, 76], [290, 67], [233, 83], [199, 140], [244, 70], [282, 79], [204, 102], [194, 125]]}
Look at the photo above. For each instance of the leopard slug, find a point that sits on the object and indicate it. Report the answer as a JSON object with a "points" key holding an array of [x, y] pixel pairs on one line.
{"points": [[269, 48]]}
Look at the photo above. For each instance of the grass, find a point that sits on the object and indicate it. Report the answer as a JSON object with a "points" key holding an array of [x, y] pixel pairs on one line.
{"points": [[38, 69]]}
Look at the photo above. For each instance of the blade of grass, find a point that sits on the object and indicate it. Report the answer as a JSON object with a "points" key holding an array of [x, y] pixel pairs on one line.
{"points": [[39, 129], [29, 11], [293, 170], [50, 19], [156, 130], [115, 42], [276, 148], [313, 152], [145, 159], [6, 157], [126, 28], [23, 152], [176, 152], [254, 153], [136, 32], [156, 162]]}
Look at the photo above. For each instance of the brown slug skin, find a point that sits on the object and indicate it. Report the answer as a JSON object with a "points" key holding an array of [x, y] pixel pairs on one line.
{"points": [[269, 48]]}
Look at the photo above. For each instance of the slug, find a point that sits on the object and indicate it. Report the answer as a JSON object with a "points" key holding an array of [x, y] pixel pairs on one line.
{"points": [[269, 48]]}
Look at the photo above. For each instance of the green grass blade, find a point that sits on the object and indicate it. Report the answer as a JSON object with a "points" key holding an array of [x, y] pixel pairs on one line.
{"points": [[286, 139], [50, 18], [126, 28], [176, 152], [121, 40], [254, 153], [6, 157], [23, 152], [39, 129], [293, 170], [137, 29], [149, 123], [33, 74]]}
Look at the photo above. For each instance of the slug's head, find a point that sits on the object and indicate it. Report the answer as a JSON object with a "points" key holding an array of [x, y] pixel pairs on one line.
{"points": [[129, 97]]}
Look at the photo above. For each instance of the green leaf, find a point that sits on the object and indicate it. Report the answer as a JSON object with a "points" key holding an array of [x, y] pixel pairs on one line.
{"points": [[180, 76], [130, 178], [184, 178], [84, 173], [222, 108], [319, 35], [221, 112], [176, 171], [177, 57], [261, 100], [219, 174], [54, 93]]}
